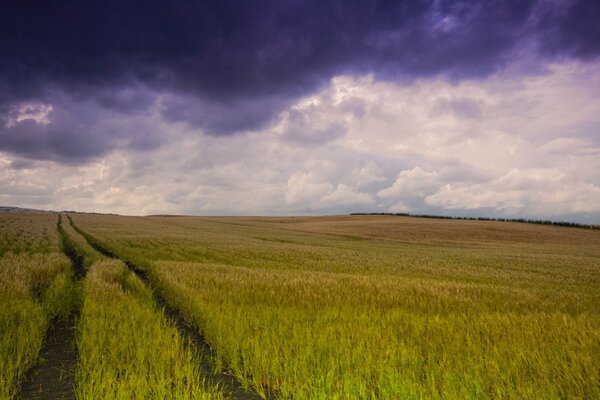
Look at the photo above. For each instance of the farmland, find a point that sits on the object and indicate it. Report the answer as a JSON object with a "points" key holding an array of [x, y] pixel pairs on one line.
{"points": [[361, 307], [35, 288]]}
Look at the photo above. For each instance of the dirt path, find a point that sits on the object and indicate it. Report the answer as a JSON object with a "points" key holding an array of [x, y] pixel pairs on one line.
{"points": [[52, 378], [229, 383]]}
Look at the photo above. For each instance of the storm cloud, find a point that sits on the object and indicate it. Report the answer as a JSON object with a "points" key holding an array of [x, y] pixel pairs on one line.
{"points": [[243, 62], [219, 83]]}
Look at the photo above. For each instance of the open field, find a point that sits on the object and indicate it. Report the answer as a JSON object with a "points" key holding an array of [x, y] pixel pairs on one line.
{"points": [[128, 350], [35, 288], [380, 307], [361, 307]]}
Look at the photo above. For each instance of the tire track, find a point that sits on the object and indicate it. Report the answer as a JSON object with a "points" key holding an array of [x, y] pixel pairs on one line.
{"points": [[225, 381], [53, 377]]}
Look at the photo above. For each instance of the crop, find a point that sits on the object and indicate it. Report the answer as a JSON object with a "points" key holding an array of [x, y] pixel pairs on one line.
{"points": [[35, 287], [380, 307], [28, 233], [75, 244], [127, 348]]}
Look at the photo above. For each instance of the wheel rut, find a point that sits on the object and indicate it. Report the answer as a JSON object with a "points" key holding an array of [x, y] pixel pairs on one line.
{"points": [[53, 377], [227, 382]]}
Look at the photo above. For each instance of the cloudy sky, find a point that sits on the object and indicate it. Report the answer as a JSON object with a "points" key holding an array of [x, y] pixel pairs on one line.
{"points": [[480, 108]]}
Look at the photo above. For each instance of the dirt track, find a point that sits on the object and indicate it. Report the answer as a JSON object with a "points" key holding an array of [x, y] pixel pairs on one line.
{"points": [[53, 377], [227, 382]]}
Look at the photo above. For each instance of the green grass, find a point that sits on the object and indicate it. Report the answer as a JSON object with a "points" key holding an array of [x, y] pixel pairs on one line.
{"points": [[318, 335], [73, 242], [127, 349], [479, 310], [28, 233], [35, 287]]}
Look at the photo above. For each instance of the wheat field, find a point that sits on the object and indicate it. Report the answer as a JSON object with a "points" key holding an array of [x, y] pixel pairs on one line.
{"points": [[36, 287], [379, 306], [348, 307]]}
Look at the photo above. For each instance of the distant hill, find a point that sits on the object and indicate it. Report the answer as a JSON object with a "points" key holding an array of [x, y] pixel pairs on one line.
{"points": [[23, 210], [521, 220], [33, 210]]}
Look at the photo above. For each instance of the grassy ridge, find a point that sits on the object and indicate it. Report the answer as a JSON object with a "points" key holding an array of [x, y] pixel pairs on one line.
{"points": [[315, 315], [319, 335], [35, 287], [75, 244], [127, 348]]}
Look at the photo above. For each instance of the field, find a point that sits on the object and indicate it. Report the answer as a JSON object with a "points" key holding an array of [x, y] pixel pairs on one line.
{"points": [[35, 288], [360, 307]]}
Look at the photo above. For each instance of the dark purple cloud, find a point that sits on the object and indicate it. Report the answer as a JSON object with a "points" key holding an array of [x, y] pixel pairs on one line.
{"points": [[230, 66], [571, 30], [75, 130]]}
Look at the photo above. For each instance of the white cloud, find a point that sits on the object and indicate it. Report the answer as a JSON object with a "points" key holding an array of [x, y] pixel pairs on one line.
{"points": [[304, 189], [522, 192], [400, 207], [497, 146], [567, 145], [411, 183], [344, 196], [367, 174]]}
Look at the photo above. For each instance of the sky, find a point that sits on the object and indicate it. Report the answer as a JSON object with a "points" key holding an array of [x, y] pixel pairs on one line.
{"points": [[302, 107]]}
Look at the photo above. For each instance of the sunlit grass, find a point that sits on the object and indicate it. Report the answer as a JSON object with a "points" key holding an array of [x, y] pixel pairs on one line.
{"points": [[35, 287], [28, 233], [75, 243], [127, 349], [316, 334], [312, 315]]}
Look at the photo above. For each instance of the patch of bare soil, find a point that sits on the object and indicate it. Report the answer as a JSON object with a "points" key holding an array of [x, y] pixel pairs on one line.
{"points": [[53, 377]]}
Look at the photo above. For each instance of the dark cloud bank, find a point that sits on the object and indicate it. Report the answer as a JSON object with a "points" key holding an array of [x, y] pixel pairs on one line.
{"points": [[231, 66]]}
